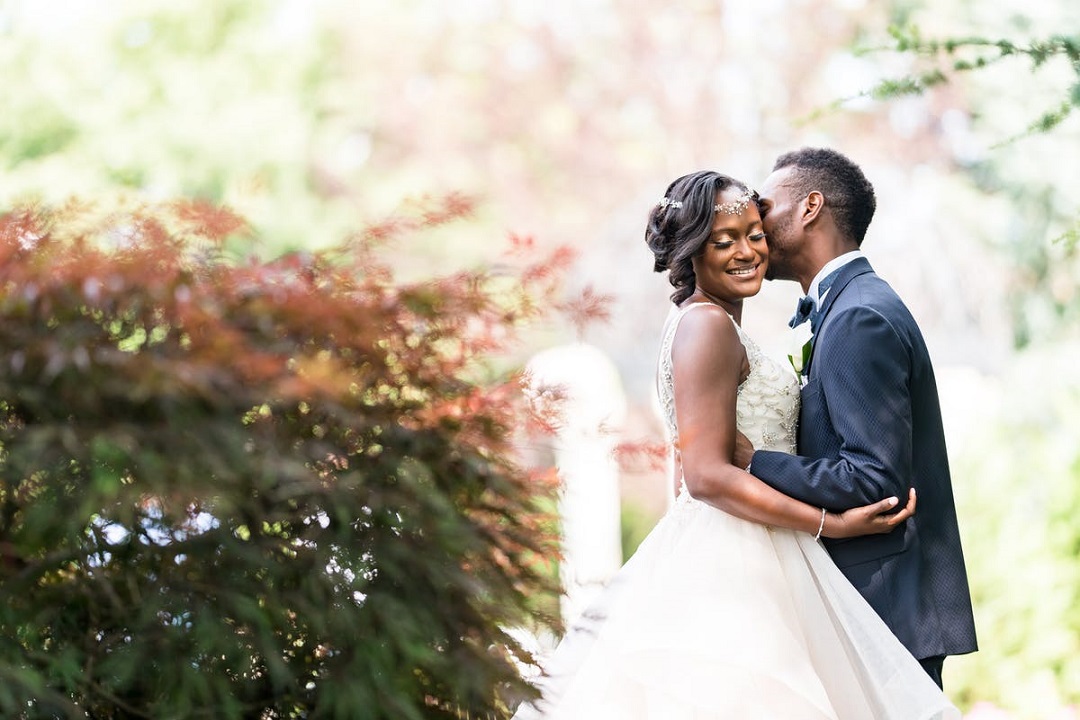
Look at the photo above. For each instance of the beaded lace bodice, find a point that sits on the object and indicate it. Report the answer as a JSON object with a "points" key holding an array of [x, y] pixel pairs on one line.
{"points": [[768, 402]]}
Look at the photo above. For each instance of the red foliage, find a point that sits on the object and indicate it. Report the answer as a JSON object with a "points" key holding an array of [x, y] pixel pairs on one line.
{"points": [[588, 307], [147, 380], [203, 219], [642, 454]]}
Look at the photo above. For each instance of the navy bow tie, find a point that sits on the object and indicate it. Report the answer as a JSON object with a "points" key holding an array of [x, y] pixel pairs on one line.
{"points": [[803, 312], [808, 309]]}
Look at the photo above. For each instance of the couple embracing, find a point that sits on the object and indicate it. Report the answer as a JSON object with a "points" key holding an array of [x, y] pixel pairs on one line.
{"points": [[810, 566]]}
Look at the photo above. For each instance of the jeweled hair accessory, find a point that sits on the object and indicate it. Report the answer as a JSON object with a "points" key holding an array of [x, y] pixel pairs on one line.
{"points": [[665, 203], [738, 205]]}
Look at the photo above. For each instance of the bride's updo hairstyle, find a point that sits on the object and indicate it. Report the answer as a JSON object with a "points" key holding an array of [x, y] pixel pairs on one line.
{"points": [[681, 223]]}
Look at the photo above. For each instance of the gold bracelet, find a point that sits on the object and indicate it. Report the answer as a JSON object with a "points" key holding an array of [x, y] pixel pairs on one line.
{"points": [[821, 526]]}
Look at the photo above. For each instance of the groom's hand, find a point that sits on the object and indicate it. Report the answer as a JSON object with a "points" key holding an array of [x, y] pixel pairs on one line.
{"points": [[744, 451]]}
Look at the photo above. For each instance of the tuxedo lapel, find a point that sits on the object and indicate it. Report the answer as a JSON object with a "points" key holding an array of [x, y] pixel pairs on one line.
{"points": [[858, 266]]}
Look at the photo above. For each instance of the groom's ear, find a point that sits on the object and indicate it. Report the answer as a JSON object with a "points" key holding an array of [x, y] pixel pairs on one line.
{"points": [[812, 207]]}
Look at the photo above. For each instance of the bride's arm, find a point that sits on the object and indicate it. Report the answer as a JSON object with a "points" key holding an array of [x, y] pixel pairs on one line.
{"points": [[708, 362]]}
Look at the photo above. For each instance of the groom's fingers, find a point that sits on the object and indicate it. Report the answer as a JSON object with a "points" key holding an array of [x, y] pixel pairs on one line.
{"points": [[905, 512], [744, 451]]}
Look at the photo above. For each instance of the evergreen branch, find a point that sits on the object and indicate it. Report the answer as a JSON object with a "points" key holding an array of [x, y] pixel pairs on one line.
{"points": [[908, 40], [1070, 238], [886, 89], [987, 52], [1043, 124]]}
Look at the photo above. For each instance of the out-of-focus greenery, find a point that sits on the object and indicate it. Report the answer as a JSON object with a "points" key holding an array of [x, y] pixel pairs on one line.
{"points": [[634, 526], [971, 54], [230, 101], [1020, 499]]}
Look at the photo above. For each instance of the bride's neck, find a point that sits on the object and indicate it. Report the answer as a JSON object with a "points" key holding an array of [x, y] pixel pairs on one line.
{"points": [[733, 307]]}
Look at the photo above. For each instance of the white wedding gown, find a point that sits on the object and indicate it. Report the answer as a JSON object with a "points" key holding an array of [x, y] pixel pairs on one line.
{"points": [[717, 617]]}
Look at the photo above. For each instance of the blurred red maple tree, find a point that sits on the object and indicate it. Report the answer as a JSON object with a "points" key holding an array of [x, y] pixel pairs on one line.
{"points": [[237, 488]]}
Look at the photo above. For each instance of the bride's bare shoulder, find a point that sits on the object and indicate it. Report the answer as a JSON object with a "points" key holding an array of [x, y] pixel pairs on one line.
{"points": [[706, 327], [706, 318]]}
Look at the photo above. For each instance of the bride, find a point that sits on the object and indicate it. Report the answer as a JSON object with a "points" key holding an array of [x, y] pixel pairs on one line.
{"points": [[731, 608]]}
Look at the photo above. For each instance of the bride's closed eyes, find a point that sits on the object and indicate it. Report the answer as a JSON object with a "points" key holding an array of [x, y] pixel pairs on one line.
{"points": [[724, 244]]}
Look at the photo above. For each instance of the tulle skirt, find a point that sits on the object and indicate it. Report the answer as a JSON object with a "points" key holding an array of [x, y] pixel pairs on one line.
{"points": [[716, 617]]}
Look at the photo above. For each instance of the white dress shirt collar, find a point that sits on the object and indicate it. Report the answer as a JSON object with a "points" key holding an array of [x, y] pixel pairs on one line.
{"points": [[834, 264]]}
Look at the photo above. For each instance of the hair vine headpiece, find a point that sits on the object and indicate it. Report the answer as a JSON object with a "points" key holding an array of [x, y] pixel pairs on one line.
{"points": [[666, 202], [736, 206]]}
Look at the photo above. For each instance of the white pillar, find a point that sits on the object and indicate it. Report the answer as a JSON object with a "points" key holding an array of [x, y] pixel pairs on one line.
{"points": [[591, 409]]}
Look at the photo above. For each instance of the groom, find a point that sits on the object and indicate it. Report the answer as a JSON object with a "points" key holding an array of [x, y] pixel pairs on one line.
{"points": [[870, 422]]}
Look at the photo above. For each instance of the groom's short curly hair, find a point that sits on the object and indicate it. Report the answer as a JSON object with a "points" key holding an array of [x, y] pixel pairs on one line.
{"points": [[848, 194]]}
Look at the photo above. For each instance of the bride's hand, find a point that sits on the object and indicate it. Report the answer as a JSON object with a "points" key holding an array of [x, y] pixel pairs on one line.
{"points": [[868, 519]]}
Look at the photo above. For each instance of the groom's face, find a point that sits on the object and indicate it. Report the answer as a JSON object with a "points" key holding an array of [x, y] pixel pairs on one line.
{"points": [[780, 210]]}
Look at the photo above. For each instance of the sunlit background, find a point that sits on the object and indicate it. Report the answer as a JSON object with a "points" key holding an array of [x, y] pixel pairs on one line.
{"points": [[567, 119]]}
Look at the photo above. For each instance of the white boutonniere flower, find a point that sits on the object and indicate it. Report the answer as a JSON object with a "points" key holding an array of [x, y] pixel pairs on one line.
{"points": [[801, 337]]}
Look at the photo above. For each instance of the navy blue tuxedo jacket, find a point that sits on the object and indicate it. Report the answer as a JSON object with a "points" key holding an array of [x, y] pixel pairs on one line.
{"points": [[870, 427]]}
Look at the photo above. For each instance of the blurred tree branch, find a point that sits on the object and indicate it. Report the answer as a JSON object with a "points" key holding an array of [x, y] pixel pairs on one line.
{"points": [[970, 54], [957, 55]]}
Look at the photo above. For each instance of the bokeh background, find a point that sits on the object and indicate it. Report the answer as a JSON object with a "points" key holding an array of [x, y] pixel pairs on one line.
{"points": [[567, 119]]}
